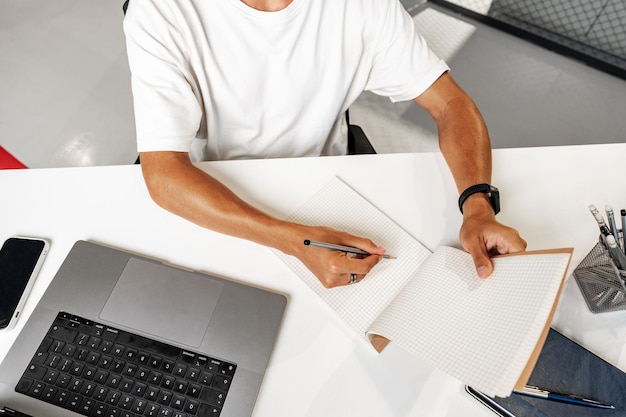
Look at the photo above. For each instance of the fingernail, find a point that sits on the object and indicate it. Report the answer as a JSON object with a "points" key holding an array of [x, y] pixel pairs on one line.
{"points": [[482, 271]]}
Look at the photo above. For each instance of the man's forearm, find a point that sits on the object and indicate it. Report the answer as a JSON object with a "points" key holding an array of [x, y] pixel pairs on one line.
{"points": [[181, 188]]}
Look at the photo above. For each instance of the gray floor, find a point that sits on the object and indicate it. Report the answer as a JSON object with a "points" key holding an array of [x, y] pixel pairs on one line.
{"points": [[66, 101]]}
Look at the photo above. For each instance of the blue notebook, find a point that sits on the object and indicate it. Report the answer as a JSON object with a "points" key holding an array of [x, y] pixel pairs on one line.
{"points": [[565, 366]]}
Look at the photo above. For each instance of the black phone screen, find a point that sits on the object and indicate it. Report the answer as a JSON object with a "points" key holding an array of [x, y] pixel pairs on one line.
{"points": [[18, 259]]}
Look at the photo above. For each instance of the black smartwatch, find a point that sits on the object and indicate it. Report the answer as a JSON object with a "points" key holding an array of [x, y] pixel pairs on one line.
{"points": [[491, 191]]}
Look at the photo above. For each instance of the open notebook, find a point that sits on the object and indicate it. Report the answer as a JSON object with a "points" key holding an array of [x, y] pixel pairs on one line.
{"points": [[487, 333]]}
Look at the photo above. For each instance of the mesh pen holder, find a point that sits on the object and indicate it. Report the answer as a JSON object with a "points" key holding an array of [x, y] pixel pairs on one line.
{"points": [[600, 281]]}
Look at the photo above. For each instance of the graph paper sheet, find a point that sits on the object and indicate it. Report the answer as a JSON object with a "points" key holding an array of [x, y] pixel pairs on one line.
{"points": [[482, 331], [485, 332], [338, 206]]}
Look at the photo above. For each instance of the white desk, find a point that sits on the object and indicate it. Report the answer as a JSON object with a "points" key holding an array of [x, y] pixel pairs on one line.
{"points": [[319, 367]]}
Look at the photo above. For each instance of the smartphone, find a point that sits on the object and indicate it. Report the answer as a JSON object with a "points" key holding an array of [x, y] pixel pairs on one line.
{"points": [[20, 261]]}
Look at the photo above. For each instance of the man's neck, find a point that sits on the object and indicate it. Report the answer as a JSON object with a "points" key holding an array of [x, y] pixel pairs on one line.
{"points": [[268, 5]]}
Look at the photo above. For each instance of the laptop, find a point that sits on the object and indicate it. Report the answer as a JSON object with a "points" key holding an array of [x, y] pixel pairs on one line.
{"points": [[117, 334]]}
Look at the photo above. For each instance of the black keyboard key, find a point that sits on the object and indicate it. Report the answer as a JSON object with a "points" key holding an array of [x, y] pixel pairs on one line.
{"points": [[96, 370], [126, 385], [81, 354], [68, 351], [113, 397], [61, 397], [23, 386], [64, 381], [75, 384], [191, 406], [168, 366], [51, 376], [155, 362], [126, 401], [63, 333], [206, 378], [178, 402], [179, 370], [188, 357], [221, 382], [194, 390], [100, 410], [165, 397], [166, 412], [49, 394], [36, 389], [74, 402], [35, 372], [57, 346], [168, 382], [213, 397], [180, 386], [228, 369], [92, 358], [82, 339], [86, 406], [88, 389], [106, 346], [130, 369], [155, 378], [142, 374], [152, 393], [139, 389], [94, 342], [139, 406], [152, 410], [114, 381], [77, 369], [143, 358], [101, 377], [192, 374], [206, 410], [101, 393], [105, 362], [65, 365]]}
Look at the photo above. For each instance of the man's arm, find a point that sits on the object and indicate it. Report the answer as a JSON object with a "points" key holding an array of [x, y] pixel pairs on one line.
{"points": [[465, 145], [178, 186]]}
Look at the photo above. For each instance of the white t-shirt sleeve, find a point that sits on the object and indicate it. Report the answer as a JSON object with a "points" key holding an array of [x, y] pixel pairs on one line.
{"points": [[403, 66], [167, 112]]}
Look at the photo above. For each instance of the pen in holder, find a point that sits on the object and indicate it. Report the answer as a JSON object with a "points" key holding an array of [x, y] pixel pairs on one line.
{"points": [[600, 280]]}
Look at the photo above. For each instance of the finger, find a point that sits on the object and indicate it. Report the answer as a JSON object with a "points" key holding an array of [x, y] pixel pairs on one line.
{"points": [[359, 266], [363, 244], [482, 262]]}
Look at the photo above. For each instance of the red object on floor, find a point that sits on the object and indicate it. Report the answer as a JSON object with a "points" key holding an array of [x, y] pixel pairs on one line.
{"points": [[8, 161]]}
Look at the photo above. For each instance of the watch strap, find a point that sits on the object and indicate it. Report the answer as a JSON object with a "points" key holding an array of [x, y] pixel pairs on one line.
{"points": [[491, 191]]}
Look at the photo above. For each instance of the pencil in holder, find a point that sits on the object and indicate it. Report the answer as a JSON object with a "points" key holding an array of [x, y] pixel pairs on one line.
{"points": [[601, 282]]}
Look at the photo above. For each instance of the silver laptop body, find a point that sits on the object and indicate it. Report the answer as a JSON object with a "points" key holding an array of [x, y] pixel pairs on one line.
{"points": [[193, 311]]}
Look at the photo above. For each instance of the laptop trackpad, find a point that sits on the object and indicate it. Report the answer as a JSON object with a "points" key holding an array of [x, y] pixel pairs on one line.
{"points": [[163, 301]]}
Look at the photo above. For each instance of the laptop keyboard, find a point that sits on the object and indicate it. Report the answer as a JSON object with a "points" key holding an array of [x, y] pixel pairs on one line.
{"points": [[96, 370]]}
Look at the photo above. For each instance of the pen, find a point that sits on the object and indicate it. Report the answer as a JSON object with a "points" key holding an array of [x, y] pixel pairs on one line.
{"points": [[535, 392], [619, 258], [623, 214], [599, 219], [348, 249], [611, 217], [489, 402]]}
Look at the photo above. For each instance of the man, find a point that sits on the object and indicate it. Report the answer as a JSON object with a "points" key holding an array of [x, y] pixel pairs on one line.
{"points": [[228, 79]]}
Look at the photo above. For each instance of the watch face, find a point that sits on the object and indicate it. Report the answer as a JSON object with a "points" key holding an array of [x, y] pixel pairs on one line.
{"points": [[494, 197]]}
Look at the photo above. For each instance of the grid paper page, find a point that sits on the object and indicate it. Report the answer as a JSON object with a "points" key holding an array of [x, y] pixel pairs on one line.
{"points": [[481, 331], [338, 206]]}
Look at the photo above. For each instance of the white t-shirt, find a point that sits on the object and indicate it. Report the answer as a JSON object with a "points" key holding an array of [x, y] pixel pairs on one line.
{"points": [[251, 84]]}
